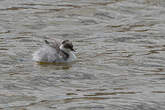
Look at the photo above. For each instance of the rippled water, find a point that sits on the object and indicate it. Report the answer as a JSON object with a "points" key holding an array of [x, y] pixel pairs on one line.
{"points": [[120, 48]]}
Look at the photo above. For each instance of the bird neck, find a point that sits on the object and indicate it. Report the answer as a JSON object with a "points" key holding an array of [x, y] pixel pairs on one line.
{"points": [[65, 54]]}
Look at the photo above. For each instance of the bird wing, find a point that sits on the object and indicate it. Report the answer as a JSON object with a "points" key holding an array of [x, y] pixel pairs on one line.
{"points": [[55, 43]]}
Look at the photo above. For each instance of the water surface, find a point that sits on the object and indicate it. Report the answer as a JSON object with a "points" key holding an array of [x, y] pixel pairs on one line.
{"points": [[120, 48]]}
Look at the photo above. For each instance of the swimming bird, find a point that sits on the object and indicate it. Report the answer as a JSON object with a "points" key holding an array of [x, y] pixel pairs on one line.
{"points": [[56, 51]]}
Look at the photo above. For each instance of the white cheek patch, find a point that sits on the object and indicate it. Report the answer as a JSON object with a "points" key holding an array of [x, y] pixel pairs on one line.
{"points": [[64, 49], [61, 47]]}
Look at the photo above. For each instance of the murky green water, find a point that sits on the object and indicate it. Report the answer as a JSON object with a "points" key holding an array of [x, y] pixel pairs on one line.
{"points": [[120, 48]]}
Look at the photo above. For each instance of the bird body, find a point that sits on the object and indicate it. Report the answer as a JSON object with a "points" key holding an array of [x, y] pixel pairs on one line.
{"points": [[57, 51]]}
